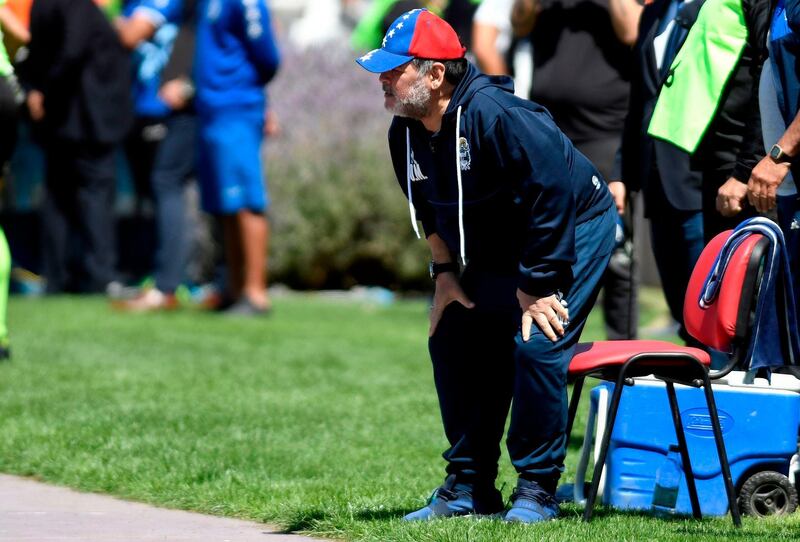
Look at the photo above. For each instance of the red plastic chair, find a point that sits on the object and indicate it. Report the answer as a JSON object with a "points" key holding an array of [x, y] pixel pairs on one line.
{"points": [[724, 326]]}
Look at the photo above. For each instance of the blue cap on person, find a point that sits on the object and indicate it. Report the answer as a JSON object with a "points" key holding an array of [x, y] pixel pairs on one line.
{"points": [[415, 34]]}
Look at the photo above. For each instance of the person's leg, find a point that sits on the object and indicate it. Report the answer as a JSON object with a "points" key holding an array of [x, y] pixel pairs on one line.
{"points": [[137, 244], [96, 166], [536, 437], [677, 241], [8, 138], [5, 274], [174, 163], [472, 357], [58, 215], [472, 354], [789, 221], [253, 231], [232, 246], [620, 282], [620, 294], [245, 173]]}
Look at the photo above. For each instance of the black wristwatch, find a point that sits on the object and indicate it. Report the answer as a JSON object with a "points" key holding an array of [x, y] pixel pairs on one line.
{"points": [[777, 155], [436, 269]]}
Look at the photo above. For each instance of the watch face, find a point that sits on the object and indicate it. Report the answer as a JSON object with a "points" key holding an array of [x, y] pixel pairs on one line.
{"points": [[775, 152]]}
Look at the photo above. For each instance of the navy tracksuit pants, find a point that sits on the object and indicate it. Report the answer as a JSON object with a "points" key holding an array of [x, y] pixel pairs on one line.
{"points": [[481, 366]]}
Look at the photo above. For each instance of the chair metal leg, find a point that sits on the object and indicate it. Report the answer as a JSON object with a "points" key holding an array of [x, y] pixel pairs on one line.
{"points": [[723, 456], [601, 460], [577, 387], [687, 464]]}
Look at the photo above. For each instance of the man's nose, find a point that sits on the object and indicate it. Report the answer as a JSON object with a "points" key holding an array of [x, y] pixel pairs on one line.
{"points": [[383, 77]]}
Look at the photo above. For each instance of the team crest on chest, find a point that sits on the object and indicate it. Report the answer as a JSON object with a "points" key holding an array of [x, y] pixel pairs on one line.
{"points": [[464, 156]]}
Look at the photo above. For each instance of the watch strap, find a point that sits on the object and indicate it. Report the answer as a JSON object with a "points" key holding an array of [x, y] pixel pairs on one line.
{"points": [[437, 269]]}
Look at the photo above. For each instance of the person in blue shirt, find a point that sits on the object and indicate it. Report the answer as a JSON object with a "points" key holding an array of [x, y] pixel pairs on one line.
{"points": [[236, 56], [521, 229], [161, 147]]}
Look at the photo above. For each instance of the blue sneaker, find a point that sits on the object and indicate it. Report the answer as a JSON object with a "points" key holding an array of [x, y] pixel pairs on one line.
{"points": [[530, 503], [452, 499]]}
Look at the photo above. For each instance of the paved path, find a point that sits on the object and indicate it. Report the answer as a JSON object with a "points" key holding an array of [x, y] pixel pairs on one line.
{"points": [[34, 512]]}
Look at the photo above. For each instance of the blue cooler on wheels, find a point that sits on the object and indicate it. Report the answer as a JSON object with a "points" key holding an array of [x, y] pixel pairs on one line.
{"points": [[759, 425], [750, 464]]}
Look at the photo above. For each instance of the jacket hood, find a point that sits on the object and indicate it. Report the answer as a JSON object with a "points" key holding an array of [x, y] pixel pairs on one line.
{"points": [[474, 81]]}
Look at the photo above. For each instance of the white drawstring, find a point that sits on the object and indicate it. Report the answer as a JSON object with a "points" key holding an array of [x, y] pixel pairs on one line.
{"points": [[461, 240], [409, 170]]}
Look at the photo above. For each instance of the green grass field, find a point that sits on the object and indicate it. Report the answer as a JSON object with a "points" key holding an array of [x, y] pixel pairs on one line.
{"points": [[322, 419]]}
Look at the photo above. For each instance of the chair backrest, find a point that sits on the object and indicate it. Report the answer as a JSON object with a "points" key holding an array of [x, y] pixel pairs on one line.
{"points": [[726, 325]]}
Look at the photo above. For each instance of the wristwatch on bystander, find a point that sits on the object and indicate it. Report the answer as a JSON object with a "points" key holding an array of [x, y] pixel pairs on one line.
{"points": [[777, 154], [436, 269]]}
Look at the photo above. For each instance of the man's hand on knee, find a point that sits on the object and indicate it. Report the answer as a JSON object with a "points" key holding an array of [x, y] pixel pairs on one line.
{"points": [[448, 289], [548, 312]]}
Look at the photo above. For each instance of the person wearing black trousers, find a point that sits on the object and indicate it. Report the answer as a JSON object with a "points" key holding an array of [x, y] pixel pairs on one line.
{"points": [[77, 76], [521, 228]]}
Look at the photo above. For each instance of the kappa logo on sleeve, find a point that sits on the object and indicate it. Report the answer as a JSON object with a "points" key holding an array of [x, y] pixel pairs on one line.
{"points": [[596, 182], [416, 171]]}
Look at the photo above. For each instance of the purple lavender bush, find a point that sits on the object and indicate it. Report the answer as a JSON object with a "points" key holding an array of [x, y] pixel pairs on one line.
{"points": [[338, 215]]}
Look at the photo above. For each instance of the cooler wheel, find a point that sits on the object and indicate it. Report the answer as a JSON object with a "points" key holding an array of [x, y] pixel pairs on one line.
{"points": [[767, 493]]}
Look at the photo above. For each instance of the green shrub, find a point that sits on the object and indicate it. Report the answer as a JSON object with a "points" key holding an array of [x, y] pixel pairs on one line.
{"points": [[338, 215]]}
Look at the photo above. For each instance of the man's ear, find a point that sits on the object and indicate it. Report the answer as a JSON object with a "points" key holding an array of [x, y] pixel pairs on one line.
{"points": [[437, 75]]}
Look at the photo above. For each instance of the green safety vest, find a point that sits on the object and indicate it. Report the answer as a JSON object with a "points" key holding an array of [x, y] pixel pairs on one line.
{"points": [[691, 94], [5, 63]]}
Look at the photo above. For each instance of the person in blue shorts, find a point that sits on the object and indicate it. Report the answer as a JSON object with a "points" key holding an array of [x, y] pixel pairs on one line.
{"points": [[236, 56], [521, 228]]}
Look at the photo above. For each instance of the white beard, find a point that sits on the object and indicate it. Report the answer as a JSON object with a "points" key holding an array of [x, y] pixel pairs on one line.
{"points": [[416, 104]]}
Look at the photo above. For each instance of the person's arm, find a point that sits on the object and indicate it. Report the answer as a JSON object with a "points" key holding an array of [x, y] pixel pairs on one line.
{"points": [[52, 62], [625, 15], [135, 29], [793, 14], [523, 16], [769, 174], [616, 184], [259, 38], [447, 286], [484, 46], [13, 26], [181, 60], [530, 152], [732, 196], [76, 20], [178, 89]]}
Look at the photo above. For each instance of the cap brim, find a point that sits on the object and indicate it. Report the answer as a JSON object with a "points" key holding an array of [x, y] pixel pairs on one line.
{"points": [[380, 60]]}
